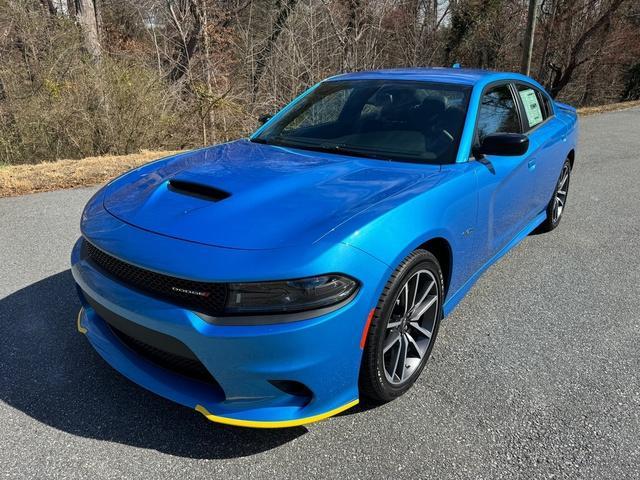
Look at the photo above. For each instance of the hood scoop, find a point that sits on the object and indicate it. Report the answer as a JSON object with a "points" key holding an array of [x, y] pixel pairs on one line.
{"points": [[199, 190]]}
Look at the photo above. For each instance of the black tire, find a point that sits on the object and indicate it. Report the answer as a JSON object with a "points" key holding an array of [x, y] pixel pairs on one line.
{"points": [[553, 217], [375, 384]]}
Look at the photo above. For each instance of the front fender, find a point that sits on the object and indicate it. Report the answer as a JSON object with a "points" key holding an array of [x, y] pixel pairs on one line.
{"points": [[447, 210]]}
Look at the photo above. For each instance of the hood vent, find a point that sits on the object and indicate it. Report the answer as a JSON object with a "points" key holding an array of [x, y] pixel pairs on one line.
{"points": [[199, 190]]}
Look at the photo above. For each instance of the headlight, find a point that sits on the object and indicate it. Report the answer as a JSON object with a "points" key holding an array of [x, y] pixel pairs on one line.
{"points": [[289, 295]]}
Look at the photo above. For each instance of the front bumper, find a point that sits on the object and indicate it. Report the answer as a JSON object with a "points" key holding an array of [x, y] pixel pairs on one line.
{"points": [[322, 353]]}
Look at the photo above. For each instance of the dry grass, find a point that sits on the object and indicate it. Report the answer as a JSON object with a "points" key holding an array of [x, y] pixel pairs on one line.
{"points": [[608, 108], [42, 177]]}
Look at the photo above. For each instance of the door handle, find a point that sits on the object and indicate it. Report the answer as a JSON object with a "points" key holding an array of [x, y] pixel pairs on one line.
{"points": [[531, 164]]}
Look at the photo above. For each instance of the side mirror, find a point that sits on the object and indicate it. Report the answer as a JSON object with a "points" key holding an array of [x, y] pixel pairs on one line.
{"points": [[264, 118], [505, 144]]}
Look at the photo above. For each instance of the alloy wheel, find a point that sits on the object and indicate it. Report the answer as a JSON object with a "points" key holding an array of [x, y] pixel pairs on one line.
{"points": [[560, 198], [410, 327]]}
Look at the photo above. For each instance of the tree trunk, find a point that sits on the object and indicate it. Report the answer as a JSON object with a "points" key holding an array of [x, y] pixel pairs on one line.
{"points": [[189, 41], [264, 55], [207, 65], [348, 53], [87, 16], [525, 65], [71, 8], [549, 27], [50, 6]]}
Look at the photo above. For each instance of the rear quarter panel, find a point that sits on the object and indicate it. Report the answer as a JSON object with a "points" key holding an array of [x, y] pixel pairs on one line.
{"points": [[560, 144]]}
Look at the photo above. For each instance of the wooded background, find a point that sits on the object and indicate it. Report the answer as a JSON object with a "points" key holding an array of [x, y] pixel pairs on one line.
{"points": [[92, 77]]}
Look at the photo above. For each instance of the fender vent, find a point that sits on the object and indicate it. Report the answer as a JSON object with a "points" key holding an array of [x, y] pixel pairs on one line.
{"points": [[199, 190]]}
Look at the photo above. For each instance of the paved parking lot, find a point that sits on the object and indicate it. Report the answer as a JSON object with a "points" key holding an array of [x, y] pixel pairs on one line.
{"points": [[535, 375]]}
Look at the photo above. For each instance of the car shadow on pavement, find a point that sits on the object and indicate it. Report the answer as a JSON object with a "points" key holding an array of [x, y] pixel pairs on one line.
{"points": [[50, 372]]}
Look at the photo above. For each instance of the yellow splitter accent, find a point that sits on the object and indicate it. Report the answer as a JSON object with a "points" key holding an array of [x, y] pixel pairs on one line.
{"points": [[254, 423], [81, 329], [274, 424]]}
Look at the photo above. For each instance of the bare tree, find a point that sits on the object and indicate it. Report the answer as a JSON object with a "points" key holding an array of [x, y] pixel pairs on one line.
{"points": [[181, 73], [562, 74], [50, 6], [186, 12], [87, 14], [527, 49], [284, 8]]}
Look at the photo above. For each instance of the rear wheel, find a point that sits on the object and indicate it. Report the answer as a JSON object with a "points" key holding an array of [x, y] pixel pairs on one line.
{"points": [[403, 329], [557, 204]]}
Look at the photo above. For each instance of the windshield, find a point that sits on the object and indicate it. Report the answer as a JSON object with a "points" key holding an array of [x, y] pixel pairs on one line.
{"points": [[391, 120]]}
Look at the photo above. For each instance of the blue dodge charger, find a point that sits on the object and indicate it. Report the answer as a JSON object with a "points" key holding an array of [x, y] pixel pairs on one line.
{"points": [[276, 280]]}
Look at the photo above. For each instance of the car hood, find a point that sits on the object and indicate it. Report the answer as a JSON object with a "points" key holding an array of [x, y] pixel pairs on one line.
{"points": [[251, 196]]}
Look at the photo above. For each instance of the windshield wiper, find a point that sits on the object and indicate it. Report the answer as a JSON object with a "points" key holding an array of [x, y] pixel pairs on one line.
{"points": [[353, 151], [318, 145], [326, 147]]}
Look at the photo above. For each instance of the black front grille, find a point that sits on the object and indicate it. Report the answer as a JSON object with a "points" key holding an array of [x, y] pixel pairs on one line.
{"points": [[203, 297], [188, 367], [164, 350]]}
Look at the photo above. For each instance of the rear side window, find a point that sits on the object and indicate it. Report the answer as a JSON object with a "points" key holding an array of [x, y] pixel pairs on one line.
{"points": [[535, 110], [544, 100], [498, 112]]}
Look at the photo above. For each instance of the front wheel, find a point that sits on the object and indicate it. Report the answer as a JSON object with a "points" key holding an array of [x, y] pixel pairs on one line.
{"points": [[403, 329], [558, 202]]}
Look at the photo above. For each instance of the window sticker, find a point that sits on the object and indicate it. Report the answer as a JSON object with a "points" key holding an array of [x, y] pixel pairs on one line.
{"points": [[531, 106]]}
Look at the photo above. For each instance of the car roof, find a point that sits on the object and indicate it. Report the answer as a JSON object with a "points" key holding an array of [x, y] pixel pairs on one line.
{"points": [[461, 76]]}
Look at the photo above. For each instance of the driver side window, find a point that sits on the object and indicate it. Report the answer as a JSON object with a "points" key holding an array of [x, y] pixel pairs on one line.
{"points": [[498, 112]]}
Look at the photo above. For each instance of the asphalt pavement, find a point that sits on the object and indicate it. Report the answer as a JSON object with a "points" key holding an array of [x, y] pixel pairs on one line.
{"points": [[536, 374]]}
